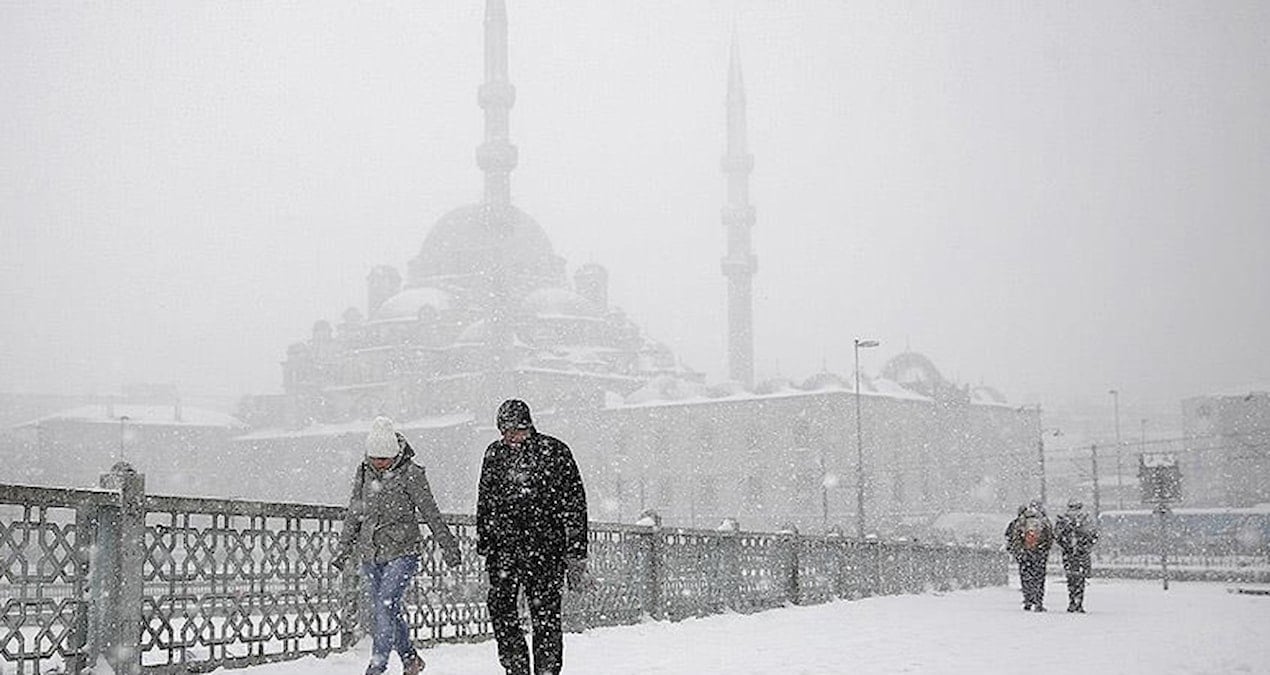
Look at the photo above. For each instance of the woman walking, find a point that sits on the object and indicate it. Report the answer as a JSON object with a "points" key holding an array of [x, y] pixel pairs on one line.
{"points": [[381, 529]]}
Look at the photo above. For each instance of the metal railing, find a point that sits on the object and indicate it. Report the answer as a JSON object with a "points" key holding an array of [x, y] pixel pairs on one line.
{"points": [[181, 585]]}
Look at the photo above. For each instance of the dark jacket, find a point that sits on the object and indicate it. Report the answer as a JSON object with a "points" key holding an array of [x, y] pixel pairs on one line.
{"points": [[531, 500], [1076, 535], [1014, 536], [381, 523]]}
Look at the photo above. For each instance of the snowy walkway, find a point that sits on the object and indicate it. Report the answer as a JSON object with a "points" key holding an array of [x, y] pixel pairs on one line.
{"points": [[1132, 627]]}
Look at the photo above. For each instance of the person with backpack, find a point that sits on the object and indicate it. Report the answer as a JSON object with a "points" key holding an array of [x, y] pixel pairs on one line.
{"points": [[1076, 534], [1029, 538]]}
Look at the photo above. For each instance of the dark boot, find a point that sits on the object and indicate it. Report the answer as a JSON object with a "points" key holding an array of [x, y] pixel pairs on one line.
{"points": [[412, 666]]}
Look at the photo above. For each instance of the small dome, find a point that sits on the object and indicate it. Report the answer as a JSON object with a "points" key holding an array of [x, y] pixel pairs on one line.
{"points": [[985, 394], [775, 385], [471, 240], [476, 334], [725, 389], [666, 388], [915, 372], [827, 380], [406, 304], [558, 302]]}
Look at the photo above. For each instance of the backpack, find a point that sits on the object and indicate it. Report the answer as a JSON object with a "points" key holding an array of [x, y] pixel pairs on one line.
{"points": [[1031, 533]]}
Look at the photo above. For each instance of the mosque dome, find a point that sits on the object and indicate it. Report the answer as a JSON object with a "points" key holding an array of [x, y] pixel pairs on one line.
{"points": [[409, 303], [470, 241], [827, 380], [559, 302], [914, 372], [478, 333]]}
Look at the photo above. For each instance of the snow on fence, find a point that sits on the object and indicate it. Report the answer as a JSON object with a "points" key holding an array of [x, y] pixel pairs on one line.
{"points": [[183, 585]]}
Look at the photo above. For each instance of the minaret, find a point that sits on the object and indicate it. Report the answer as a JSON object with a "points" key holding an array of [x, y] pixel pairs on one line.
{"points": [[496, 156], [739, 265]]}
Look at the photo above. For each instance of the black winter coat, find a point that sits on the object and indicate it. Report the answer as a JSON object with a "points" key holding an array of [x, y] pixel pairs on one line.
{"points": [[1076, 535], [531, 501]]}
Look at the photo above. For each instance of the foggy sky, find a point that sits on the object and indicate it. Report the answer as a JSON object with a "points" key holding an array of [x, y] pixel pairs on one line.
{"points": [[1053, 199]]}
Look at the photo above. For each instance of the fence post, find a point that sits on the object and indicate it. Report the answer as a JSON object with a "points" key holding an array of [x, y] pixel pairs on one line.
{"points": [[654, 573], [833, 538], [874, 548], [117, 585], [790, 541], [86, 520], [730, 572]]}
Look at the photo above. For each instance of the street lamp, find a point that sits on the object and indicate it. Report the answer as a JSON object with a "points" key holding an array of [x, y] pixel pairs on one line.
{"points": [[859, 444], [1144, 437], [1115, 397], [122, 420], [1040, 444]]}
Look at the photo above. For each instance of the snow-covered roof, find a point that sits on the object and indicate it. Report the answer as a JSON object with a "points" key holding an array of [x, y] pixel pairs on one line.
{"points": [[1263, 508], [667, 390], [358, 427], [407, 303], [1250, 389], [142, 414]]}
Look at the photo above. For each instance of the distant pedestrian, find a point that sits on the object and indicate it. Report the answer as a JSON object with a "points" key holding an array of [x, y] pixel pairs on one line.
{"points": [[1028, 538], [1076, 533], [381, 530], [531, 526]]}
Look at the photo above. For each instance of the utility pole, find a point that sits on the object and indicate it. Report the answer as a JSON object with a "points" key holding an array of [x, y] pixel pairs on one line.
{"points": [[123, 419], [1040, 450], [859, 441], [1115, 397], [1093, 466]]}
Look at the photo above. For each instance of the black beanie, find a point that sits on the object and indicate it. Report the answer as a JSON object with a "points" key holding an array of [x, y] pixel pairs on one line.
{"points": [[514, 414]]}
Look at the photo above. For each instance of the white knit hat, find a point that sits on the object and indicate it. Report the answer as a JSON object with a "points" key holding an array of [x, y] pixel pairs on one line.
{"points": [[381, 442]]}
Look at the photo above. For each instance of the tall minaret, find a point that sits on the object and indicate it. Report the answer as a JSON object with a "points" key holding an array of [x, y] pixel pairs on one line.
{"points": [[496, 156], [739, 265]]}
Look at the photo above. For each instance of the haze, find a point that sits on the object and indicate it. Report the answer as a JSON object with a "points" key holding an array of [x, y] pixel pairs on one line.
{"points": [[1053, 199]]}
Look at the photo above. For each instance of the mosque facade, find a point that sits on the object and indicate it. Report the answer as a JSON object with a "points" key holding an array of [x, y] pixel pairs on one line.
{"points": [[487, 310]]}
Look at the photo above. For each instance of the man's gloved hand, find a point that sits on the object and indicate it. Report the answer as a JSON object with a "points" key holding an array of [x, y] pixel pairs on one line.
{"points": [[575, 575], [340, 560], [451, 557]]}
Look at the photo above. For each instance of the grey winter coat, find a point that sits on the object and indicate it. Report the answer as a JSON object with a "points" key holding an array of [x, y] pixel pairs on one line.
{"points": [[381, 523]]}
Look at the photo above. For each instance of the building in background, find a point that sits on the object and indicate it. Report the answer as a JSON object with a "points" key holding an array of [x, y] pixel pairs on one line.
{"points": [[182, 449], [1225, 459], [486, 311]]}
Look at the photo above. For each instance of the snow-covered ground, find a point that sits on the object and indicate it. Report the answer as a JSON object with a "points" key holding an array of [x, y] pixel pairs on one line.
{"points": [[1131, 627]]}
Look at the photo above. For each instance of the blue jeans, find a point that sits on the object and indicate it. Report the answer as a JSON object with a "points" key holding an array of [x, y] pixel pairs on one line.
{"points": [[385, 585]]}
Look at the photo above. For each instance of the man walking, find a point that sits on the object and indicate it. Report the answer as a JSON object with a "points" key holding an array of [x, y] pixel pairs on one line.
{"points": [[1029, 538], [531, 526], [1076, 533]]}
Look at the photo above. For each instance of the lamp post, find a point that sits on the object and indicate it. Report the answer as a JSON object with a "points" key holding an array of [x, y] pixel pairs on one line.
{"points": [[1093, 466], [1143, 442], [824, 493], [1115, 397], [1040, 445], [122, 420], [859, 443]]}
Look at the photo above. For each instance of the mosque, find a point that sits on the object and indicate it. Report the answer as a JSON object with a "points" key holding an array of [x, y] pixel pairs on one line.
{"points": [[487, 310]]}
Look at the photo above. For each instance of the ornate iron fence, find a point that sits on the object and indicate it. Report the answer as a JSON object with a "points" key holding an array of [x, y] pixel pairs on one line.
{"points": [[181, 585]]}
